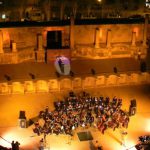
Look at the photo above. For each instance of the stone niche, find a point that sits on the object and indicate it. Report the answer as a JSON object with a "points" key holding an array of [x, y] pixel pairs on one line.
{"points": [[134, 78], [53, 84], [89, 82], [4, 88], [65, 84], [122, 79], [77, 83], [17, 87], [42, 86], [144, 77], [112, 80], [29, 86], [100, 80]]}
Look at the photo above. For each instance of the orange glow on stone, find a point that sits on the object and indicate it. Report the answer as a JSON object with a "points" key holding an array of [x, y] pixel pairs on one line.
{"points": [[136, 30]]}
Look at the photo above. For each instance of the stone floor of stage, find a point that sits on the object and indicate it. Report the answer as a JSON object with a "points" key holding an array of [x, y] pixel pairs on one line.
{"points": [[111, 140]]}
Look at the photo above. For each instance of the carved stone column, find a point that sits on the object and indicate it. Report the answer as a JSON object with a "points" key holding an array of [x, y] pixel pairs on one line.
{"points": [[63, 38], [97, 38], [40, 42], [40, 53], [108, 38], [133, 43], [145, 30], [1, 42], [14, 49], [72, 32]]}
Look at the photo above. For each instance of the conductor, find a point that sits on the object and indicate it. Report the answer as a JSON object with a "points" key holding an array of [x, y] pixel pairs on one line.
{"points": [[61, 65]]}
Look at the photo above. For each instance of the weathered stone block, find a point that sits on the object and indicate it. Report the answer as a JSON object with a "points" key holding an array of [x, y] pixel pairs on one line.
{"points": [[77, 83], [122, 79], [4, 88], [42, 86], [53, 84], [144, 77], [29, 86], [17, 87], [89, 82], [65, 84], [112, 80], [100, 80], [134, 78]]}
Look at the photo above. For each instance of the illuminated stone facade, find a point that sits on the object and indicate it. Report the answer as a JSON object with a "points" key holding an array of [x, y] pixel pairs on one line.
{"points": [[87, 41]]}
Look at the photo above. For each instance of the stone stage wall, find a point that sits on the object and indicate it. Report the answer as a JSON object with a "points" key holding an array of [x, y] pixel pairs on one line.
{"points": [[92, 41], [84, 34], [74, 83]]}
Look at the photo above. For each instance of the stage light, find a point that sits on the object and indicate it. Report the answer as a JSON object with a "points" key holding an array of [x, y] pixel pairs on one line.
{"points": [[3, 16], [130, 145]]}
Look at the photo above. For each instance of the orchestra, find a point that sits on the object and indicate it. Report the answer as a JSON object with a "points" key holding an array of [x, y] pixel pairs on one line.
{"points": [[84, 111]]}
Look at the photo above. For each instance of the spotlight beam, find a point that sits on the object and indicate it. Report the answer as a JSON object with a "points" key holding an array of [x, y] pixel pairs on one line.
{"points": [[130, 147], [5, 140]]}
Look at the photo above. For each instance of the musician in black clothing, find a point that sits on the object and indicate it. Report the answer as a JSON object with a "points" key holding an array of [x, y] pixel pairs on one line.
{"points": [[15, 145]]}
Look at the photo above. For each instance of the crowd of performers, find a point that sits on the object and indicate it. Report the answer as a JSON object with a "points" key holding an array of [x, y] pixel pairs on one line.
{"points": [[82, 111]]}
